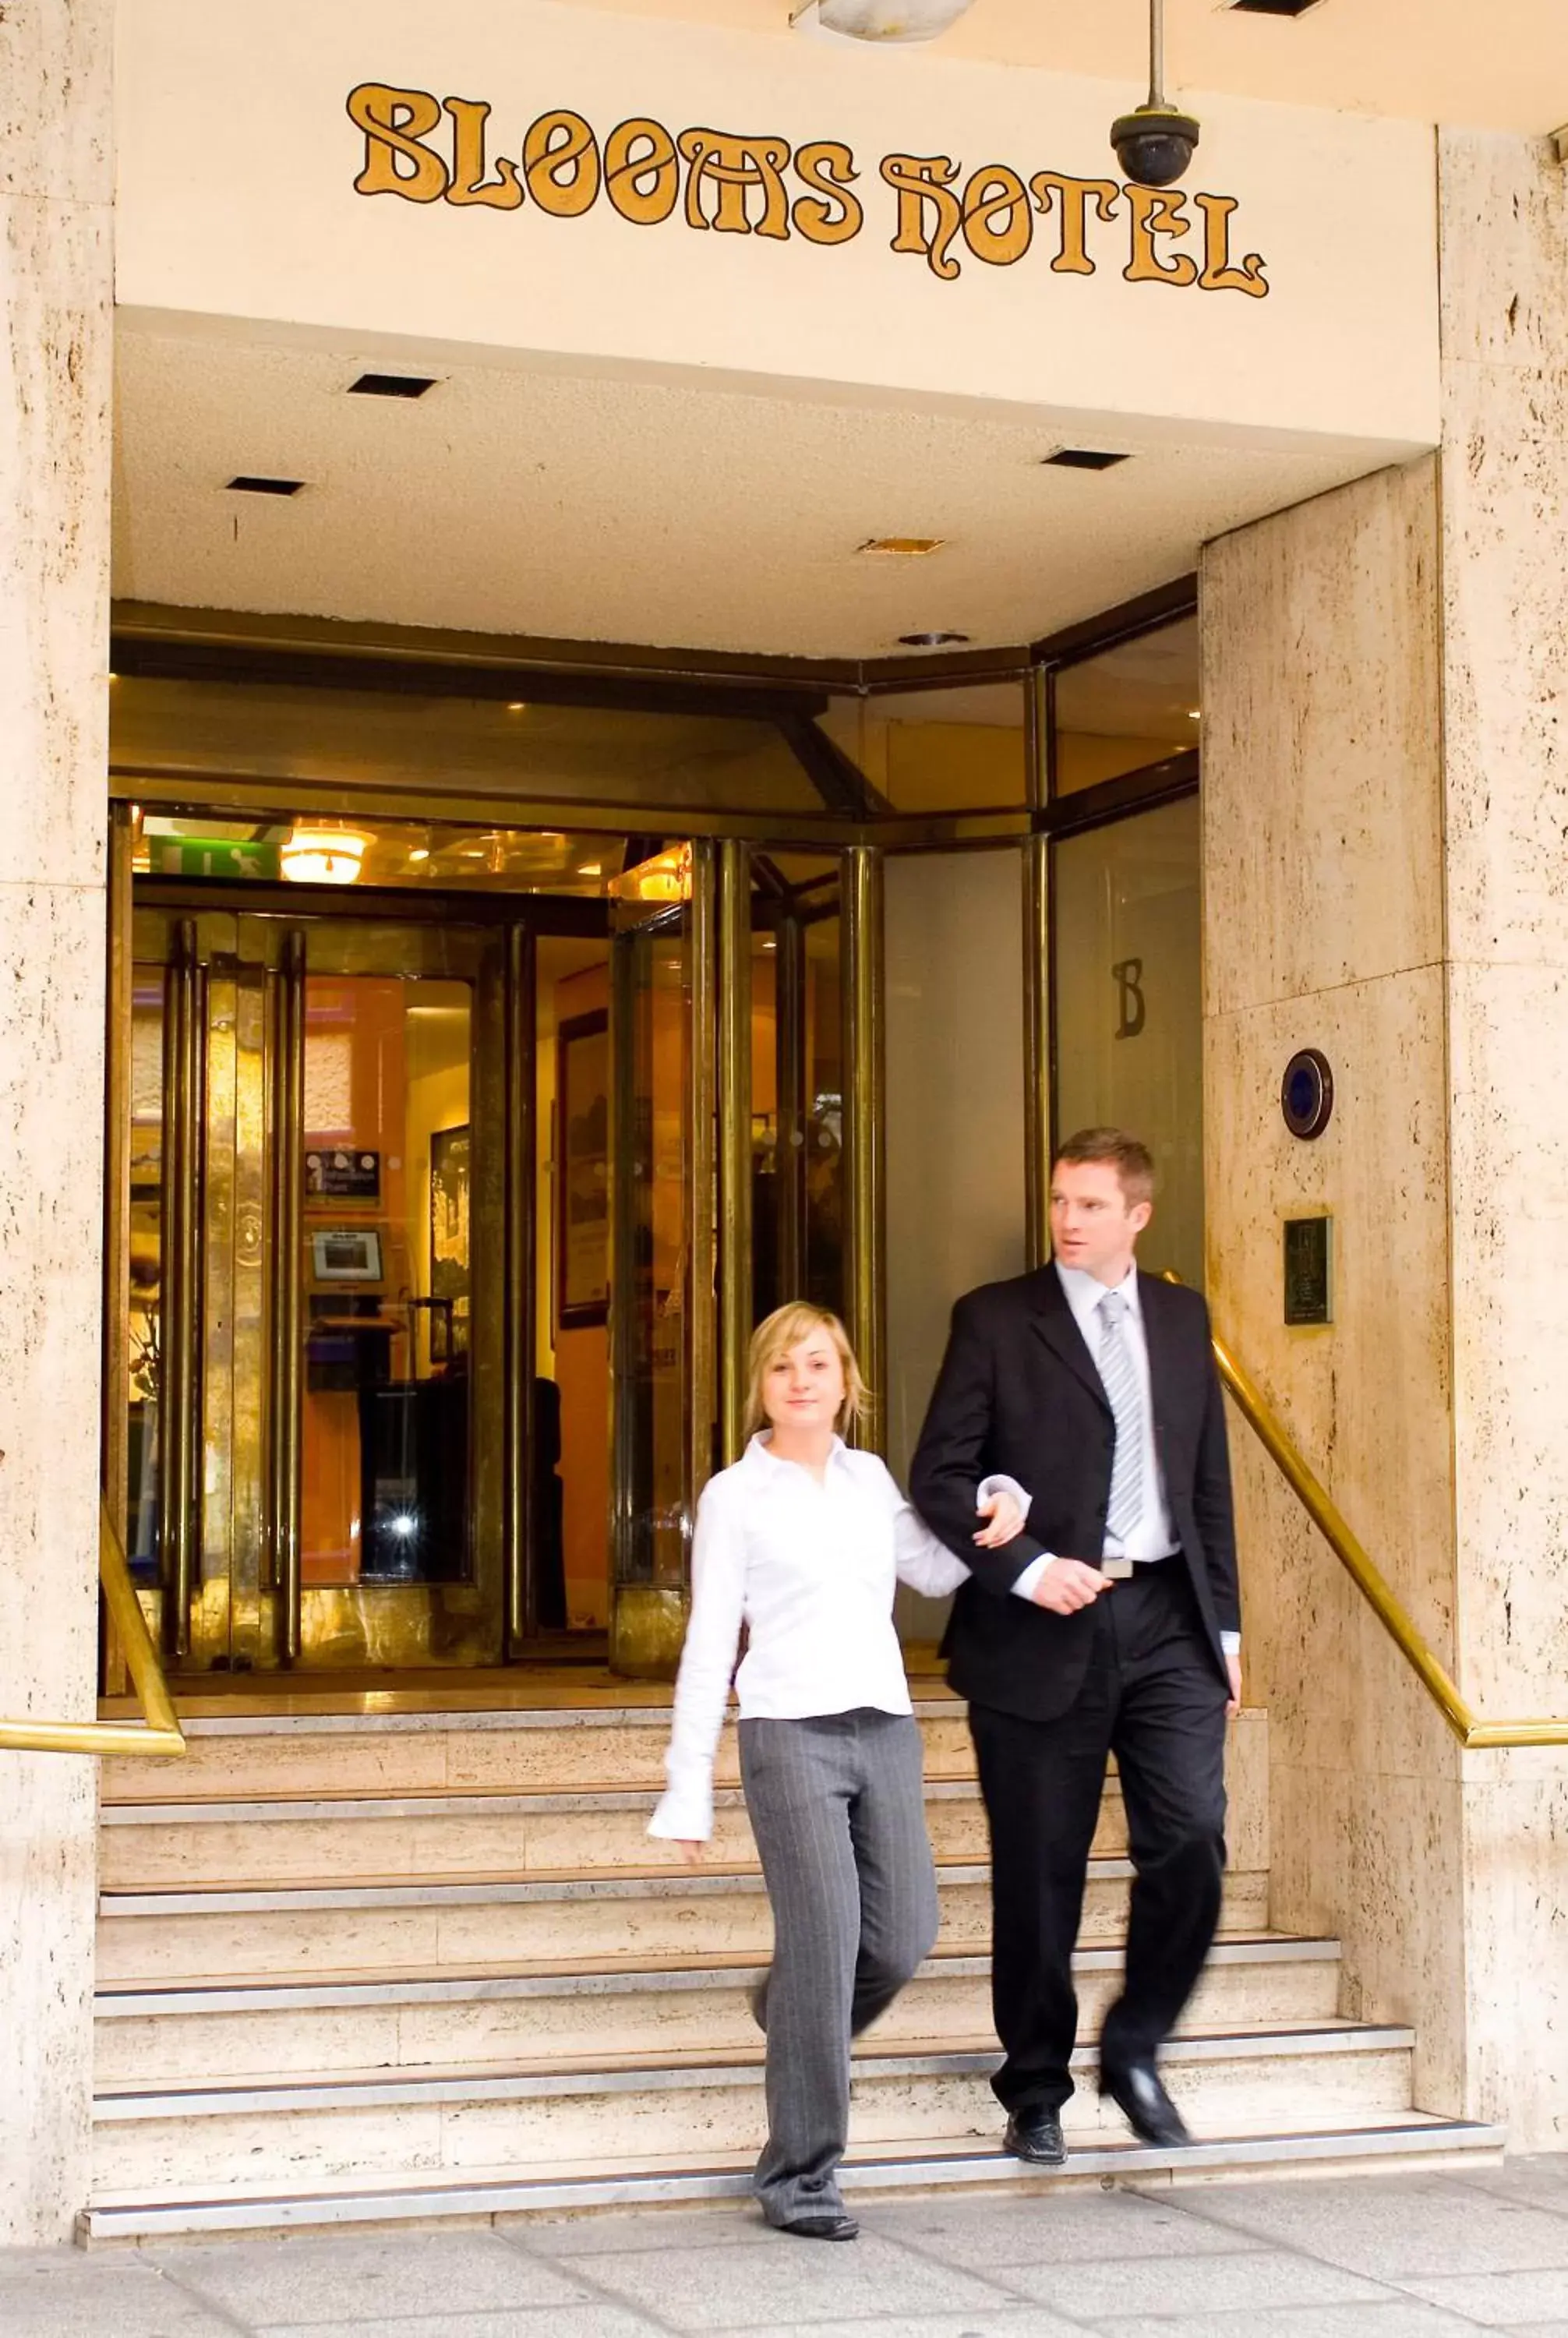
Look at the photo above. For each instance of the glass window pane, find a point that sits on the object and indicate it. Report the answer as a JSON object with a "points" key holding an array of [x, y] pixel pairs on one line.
{"points": [[145, 1325], [1127, 708], [825, 1190], [1129, 1007], [388, 1175], [474, 746], [955, 749], [571, 1390], [955, 1120]]}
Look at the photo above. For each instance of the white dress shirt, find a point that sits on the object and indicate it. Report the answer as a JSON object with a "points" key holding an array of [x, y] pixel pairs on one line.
{"points": [[1152, 1535], [810, 1567]]}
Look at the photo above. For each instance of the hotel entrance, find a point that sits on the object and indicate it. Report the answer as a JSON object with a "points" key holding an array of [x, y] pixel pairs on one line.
{"points": [[417, 1360], [454, 1154]]}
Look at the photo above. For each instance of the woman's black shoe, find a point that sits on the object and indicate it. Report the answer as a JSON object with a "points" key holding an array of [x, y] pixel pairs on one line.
{"points": [[1036, 2136], [822, 2228]]}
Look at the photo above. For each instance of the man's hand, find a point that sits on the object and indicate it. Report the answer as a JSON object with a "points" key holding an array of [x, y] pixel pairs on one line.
{"points": [[1068, 1585], [1006, 1521], [1233, 1674]]}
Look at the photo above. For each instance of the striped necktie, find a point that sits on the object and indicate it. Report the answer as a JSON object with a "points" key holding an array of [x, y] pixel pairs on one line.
{"points": [[1119, 1375]]}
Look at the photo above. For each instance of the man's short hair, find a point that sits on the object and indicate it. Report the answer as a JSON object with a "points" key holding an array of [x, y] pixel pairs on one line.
{"points": [[1129, 1156]]}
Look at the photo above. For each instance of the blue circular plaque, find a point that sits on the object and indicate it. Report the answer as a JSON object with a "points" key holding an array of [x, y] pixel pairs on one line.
{"points": [[1307, 1093]]}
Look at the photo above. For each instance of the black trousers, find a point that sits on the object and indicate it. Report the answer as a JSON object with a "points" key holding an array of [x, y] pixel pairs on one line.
{"points": [[1154, 1697]]}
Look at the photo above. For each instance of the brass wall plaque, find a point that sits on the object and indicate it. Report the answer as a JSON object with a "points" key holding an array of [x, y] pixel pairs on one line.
{"points": [[1308, 1270]]}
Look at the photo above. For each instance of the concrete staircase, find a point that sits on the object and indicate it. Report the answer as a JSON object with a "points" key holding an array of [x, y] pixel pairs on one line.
{"points": [[426, 1965]]}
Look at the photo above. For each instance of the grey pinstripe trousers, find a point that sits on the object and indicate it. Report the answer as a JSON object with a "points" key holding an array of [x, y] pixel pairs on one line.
{"points": [[837, 1810]]}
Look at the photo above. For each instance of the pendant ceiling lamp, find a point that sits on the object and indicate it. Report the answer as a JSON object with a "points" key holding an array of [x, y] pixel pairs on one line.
{"points": [[1156, 142], [895, 22], [322, 853]]}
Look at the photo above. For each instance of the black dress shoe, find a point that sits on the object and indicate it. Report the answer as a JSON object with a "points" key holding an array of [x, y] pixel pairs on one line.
{"points": [[1138, 2092], [1036, 2136], [822, 2228]]}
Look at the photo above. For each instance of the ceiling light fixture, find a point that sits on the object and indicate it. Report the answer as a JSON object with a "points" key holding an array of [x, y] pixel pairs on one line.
{"points": [[392, 384], [901, 548], [323, 852], [932, 641], [1155, 142], [420, 852], [894, 21], [1194, 714], [1081, 458], [246, 483], [516, 706]]}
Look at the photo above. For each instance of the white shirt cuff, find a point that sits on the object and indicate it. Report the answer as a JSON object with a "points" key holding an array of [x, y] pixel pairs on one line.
{"points": [[685, 1815], [1024, 1586], [1232, 1642], [1002, 1485]]}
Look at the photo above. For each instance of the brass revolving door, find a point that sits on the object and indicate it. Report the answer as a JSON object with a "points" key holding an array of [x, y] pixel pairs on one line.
{"points": [[331, 1193]]}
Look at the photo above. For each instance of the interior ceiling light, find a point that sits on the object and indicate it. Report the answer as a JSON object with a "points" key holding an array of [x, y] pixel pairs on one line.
{"points": [[902, 547], [1083, 459], [246, 484], [894, 21], [932, 641], [665, 877], [322, 853], [1155, 142], [392, 384], [516, 706]]}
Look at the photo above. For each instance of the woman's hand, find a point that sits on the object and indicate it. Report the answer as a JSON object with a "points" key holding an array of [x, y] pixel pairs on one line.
{"points": [[1006, 1519]]}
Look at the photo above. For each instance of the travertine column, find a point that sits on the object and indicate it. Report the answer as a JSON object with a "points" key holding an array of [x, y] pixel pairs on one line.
{"points": [[55, 291], [1386, 768], [1322, 769], [1504, 493]]}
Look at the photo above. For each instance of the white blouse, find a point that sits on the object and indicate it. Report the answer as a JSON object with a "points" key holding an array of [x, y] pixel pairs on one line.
{"points": [[810, 1568]]}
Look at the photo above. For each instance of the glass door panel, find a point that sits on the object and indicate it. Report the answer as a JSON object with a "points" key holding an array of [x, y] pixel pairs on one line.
{"points": [[651, 1297]]}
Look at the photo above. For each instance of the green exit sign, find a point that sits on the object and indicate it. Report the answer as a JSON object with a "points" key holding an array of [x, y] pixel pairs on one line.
{"points": [[219, 857]]}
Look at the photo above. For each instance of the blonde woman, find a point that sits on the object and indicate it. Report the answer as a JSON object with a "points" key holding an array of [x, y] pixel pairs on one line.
{"points": [[801, 1540]]}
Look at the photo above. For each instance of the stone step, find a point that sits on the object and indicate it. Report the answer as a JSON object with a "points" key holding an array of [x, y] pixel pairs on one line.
{"points": [[372, 2126], [315, 1757], [1376, 2143], [273, 1931], [537, 1751], [143, 1845], [222, 2033]]}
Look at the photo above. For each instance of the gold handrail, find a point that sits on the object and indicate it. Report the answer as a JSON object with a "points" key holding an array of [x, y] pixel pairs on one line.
{"points": [[159, 1731], [1473, 1733]]}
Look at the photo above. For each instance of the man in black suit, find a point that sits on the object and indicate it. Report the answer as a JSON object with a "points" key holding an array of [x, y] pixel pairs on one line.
{"points": [[1111, 1625]]}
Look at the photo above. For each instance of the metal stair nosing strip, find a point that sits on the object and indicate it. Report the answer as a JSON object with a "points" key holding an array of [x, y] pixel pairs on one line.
{"points": [[118, 2000], [248, 2097], [1096, 2164]]}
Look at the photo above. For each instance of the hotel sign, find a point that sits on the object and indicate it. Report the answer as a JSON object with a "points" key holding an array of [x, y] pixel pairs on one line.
{"points": [[422, 149]]}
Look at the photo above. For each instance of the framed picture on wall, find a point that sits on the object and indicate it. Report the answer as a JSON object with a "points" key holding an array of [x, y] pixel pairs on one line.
{"points": [[582, 1172], [449, 1252]]}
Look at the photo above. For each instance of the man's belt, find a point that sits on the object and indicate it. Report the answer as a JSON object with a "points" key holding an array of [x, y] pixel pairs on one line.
{"points": [[1119, 1569]]}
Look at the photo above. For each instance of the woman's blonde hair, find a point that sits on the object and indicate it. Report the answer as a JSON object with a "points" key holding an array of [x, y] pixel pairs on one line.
{"points": [[773, 1340]]}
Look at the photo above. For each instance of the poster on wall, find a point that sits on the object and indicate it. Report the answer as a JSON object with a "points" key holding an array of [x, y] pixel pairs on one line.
{"points": [[582, 1183], [450, 1283]]}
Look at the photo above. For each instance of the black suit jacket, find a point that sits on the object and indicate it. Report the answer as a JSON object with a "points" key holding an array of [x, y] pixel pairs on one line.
{"points": [[1018, 1392]]}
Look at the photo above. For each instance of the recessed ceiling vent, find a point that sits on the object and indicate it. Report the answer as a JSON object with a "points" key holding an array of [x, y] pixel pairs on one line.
{"points": [[392, 384], [245, 485], [1083, 459], [1273, 7]]}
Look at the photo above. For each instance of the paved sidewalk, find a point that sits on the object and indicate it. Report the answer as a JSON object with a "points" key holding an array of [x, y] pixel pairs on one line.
{"points": [[1428, 2257]]}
